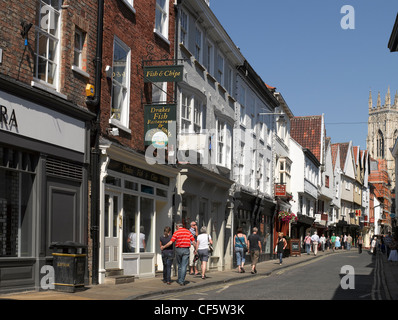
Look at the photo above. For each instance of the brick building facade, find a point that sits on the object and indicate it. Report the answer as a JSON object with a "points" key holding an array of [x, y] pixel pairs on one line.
{"points": [[46, 54], [134, 197]]}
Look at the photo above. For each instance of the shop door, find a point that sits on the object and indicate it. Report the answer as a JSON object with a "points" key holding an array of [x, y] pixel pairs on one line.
{"points": [[112, 225]]}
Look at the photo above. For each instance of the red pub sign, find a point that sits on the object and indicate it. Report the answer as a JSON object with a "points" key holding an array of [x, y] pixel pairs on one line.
{"points": [[280, 190]]}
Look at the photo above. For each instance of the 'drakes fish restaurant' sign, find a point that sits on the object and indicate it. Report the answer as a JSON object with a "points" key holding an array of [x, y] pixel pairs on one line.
{"points": [[157, 118]]}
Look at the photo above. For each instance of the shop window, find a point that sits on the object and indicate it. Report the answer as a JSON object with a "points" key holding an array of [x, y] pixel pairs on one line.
{"points": [[147, 189], [131, 185], [138, 224], [161, 193], [113, 181], [146, 222], [16, 202], [130, 213]]}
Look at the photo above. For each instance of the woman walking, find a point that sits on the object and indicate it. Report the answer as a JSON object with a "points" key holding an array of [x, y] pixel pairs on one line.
{"points": [[167, 255], [337, 243], [202, 248], [307, 242], [360, 243], [240, 244], [280, 246]]}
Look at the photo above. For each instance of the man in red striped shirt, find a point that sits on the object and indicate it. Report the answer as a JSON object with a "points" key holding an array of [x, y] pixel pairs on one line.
{"points": [[182, 238]]}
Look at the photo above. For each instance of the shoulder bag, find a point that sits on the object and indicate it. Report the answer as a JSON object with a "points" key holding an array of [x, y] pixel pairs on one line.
{"points": [[211, 249], [244, 245]]}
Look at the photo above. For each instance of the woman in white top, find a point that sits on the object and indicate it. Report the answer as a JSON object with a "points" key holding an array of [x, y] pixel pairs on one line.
{"points": [[202, 248]]}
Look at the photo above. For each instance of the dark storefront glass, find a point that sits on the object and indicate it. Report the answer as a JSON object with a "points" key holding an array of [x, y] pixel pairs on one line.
{"points": [[16, 202]]}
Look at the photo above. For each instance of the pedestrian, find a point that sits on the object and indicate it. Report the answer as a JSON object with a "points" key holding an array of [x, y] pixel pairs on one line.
{"points": [[193, 264], [342, 245], [328, 243], [167, 255], [337, 243], [182, 238], [315, 242], [202, 248], [345, 241], [240, 245], [132, 240], [388, 241], [307, 243], [280, 246], [393, 256], [349, 242], [254, 247], [333, 241], [360, 243], [373, 245], [322, 241]]}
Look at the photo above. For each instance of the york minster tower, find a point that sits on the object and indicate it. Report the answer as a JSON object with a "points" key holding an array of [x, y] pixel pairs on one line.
{"points": [[383, 130]]}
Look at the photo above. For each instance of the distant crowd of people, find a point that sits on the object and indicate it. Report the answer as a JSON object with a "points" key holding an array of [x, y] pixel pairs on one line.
{"points": [[191, 246]]}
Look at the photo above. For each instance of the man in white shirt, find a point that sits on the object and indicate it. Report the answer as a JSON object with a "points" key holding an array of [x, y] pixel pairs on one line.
{"points": [[315, 241]]}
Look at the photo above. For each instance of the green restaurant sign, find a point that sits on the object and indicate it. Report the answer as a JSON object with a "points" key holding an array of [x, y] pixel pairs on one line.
{"points": [[163, 73], [157, 118]]}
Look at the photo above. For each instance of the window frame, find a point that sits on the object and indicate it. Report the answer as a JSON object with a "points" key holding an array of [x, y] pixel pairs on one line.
{"points": [[124, 121], [55, 37], [162, 27]]}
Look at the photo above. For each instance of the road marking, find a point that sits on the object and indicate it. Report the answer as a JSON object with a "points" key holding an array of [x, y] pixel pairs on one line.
{"points": [[221, 290]]}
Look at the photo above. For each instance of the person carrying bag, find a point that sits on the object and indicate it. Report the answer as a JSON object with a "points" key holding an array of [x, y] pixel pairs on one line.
{"points": [[240, 245]]}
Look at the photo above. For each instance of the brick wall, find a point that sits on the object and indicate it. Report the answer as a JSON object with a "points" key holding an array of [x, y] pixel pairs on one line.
{"points": [[136, 31], [19, 60]]}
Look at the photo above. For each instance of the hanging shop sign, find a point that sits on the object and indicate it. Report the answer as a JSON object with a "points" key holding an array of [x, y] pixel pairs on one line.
{"points": [[280, 190], [157, 120], [172, 73]]}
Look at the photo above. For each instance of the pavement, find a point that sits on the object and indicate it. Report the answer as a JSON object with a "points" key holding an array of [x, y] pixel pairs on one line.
{"points": [[150, 287]]}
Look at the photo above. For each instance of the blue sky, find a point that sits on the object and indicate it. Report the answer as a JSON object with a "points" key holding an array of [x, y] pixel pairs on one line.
{"points": [[300, 48]]}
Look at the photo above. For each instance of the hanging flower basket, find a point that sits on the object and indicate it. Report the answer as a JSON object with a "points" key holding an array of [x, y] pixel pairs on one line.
{"points": [[287, 216]]}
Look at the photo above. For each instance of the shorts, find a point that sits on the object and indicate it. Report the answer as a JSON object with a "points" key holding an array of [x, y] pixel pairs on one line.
{"points": [[254, 255], [203, 254]]}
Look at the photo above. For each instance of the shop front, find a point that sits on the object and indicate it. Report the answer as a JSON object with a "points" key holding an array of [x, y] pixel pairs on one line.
{"points": [[135, 205], [43, 182], [203, 197], [253, 211], [301, 227]]}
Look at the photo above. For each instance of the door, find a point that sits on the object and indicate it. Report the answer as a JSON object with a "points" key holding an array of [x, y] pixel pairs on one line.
{"points": [[112, 225]]}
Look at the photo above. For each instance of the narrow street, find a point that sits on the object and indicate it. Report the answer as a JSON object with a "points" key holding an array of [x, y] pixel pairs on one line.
{"points": [[317, 279]]}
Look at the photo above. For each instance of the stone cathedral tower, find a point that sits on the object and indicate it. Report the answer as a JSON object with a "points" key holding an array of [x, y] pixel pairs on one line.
{"points": [[383, 130]]}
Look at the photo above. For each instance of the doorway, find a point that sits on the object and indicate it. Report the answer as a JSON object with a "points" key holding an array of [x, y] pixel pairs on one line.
{"points": [[112, 225]]}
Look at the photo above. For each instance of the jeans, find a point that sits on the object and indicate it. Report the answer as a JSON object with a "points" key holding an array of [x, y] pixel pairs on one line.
{"points": [[308, 248], [167, 257], [182, 256], [240, 256], [280, 256]]}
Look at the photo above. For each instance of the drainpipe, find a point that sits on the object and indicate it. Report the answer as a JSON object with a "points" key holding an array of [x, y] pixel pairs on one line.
{"points": [[95, 152]]}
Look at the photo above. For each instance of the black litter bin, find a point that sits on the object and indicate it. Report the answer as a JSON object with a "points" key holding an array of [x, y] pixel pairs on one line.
{"points": [[69, 265]]}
